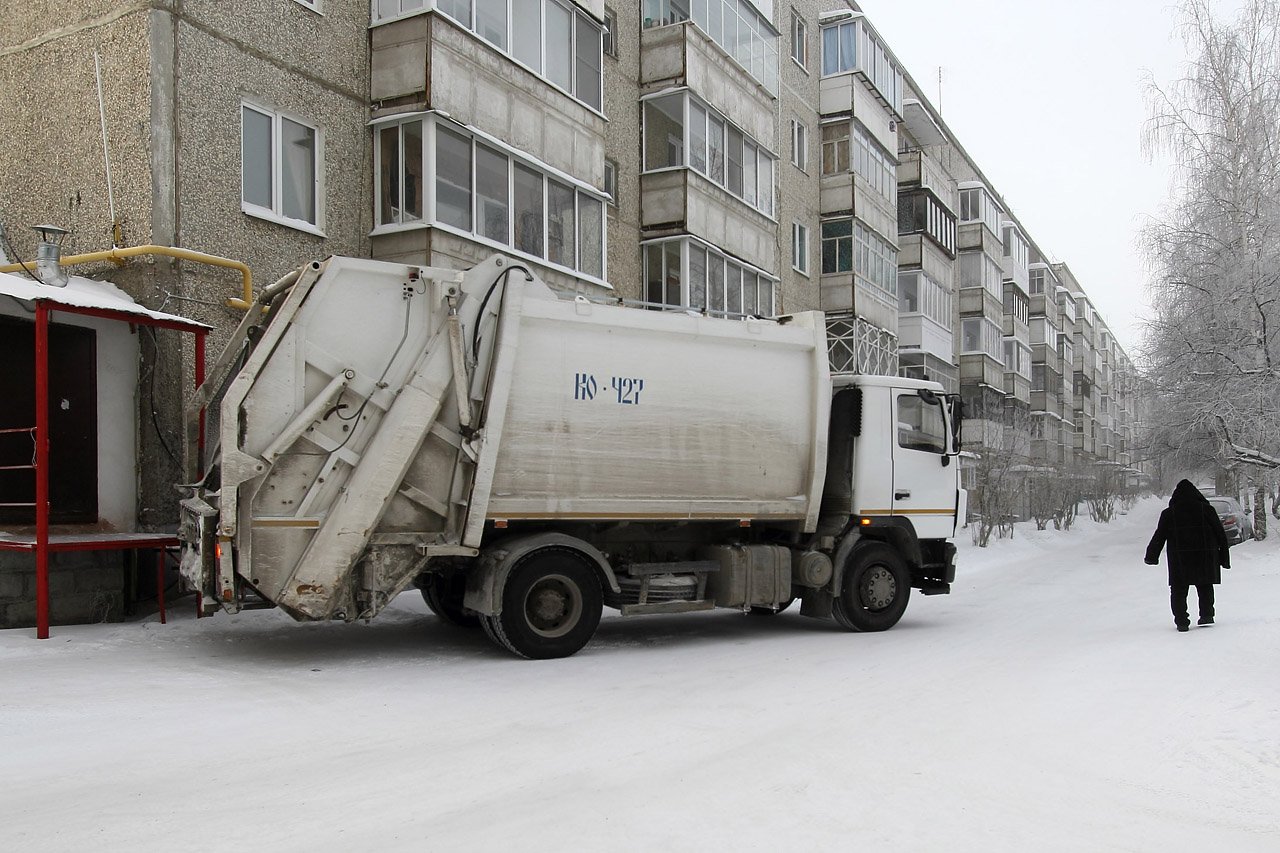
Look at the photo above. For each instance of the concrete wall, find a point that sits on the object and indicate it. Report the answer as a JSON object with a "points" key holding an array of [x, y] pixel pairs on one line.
{"points": [[52, 127], [622, 144], [84, 587]]}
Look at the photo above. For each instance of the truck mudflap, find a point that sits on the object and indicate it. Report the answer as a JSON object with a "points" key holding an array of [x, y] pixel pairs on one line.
{"points": [[198, 567], [935, 578]]}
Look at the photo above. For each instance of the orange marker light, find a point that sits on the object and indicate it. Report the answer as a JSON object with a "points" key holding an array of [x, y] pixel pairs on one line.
{"points": [[866, 522]]}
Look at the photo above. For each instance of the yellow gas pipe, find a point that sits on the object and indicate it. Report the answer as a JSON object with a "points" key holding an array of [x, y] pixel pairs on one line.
{"points": [[117, 256]]}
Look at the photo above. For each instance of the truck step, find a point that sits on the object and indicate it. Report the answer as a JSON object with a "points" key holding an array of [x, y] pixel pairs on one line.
{"points": [[935, 589], [667, 607]]}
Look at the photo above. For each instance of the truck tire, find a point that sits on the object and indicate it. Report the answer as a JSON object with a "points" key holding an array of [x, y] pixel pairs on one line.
{"points": [[551, 606], [443, 596], [874, 591]]}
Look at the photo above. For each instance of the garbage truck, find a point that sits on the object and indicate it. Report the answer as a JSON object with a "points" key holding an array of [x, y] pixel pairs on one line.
{"points": [[527, 458]]}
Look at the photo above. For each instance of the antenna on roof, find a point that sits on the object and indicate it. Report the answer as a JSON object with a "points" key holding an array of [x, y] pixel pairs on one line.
{"points": [[939, 90], [106, 154]]}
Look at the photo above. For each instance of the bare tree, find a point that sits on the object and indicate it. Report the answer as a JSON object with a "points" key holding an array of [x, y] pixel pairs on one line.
{"points": [[1213, 346], [1002, 441]]}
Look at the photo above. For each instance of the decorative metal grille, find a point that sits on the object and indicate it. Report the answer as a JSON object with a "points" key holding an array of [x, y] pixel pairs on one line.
{"points": [[856, 346]]}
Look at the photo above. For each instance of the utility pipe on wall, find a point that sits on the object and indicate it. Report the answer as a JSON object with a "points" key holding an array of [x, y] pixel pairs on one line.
{"points": [[118, 256]]}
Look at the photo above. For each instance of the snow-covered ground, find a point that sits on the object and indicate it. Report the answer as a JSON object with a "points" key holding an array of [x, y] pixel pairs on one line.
{"points": [[1047, 704]]}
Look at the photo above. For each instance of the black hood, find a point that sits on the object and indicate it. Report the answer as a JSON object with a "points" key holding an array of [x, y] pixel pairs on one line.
{"points": [[1186, 493]]}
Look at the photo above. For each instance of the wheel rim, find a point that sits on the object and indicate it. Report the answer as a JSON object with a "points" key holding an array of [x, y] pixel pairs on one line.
{"points": [[878, 588], [553, 606]]}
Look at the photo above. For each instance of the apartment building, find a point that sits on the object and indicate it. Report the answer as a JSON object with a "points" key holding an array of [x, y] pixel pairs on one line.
{"points": [[732, 157]]}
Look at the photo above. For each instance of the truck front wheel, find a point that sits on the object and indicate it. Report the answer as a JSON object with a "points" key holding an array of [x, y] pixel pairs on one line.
{"points": [[551, 605], [874, 590]]}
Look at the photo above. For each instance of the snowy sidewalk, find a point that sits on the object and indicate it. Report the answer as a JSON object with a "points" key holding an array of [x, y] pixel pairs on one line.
{"points": [[1046, 704]]}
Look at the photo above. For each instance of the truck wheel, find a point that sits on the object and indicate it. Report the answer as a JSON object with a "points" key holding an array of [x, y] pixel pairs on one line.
{"points": [[874, 591], [443, 596], [551, 606]]}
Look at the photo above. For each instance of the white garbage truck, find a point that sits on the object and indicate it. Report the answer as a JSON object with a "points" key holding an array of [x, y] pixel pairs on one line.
{"points": [[526, 459]]}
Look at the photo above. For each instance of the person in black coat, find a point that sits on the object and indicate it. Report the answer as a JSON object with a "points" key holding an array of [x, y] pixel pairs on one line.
{"points": [[1197, 549]]}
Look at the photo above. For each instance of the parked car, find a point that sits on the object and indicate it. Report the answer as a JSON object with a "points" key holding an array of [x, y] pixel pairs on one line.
{"points": [[1234, 519]]}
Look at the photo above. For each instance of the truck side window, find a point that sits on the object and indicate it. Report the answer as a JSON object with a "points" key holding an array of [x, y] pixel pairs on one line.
{"points": [[921, 425]]}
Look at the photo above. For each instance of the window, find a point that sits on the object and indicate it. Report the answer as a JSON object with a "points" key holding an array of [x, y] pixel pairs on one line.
{"points": [[921, 425], [611, 180], [800, 247], [1017, 358], [977, 205], [919, 212], [852, 45], [875, 262], [528, 208], [386, 9], [549, 37], [980, 336], [835, 148], [453, 179], [587, 77], [1016, 303], [838, 47], [1016, 247], [734, 25], [977, 269], [491, 21], [799, 144], [687, 273], [837, 246], [1037, 278], [493, 209], [399, 151], [716, 149], [918, 293], [876, 166], [610, 32], [664, 132], [280, 168], [799, 40], [488, 191], [313, 5]]}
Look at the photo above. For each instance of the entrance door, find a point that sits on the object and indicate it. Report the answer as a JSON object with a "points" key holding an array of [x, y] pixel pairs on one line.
{"points": [[73, 422], [924, 490]]}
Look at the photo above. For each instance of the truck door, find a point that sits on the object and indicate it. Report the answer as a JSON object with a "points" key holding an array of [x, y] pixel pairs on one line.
{"points": [[924, 477]]}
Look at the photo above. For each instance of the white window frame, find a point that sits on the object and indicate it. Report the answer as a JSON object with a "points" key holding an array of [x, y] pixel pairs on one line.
{"points": [[316, 6], [609, 35], [799, 36], [800, 248], [800, 145], [761, 195], [273, 213], [576, 16], [611, 180], [514, 156], [713, 255]]}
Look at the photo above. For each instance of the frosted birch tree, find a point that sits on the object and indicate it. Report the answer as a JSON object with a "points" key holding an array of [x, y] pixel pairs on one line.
{"points": [[1213, 345]]}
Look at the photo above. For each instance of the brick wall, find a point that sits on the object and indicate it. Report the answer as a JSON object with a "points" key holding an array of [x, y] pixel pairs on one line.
{"points": [[84, 587]]}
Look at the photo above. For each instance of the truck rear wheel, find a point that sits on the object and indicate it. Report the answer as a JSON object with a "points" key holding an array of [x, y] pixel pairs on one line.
{"points": [[551, 605], [443, 596], [874, 590]]}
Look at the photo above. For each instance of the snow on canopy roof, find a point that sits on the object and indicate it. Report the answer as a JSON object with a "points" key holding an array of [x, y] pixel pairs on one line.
{"points": [[88, 293]]}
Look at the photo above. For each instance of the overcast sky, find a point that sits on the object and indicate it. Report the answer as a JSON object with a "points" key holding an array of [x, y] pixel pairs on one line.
{"points": [[1048, 100]]}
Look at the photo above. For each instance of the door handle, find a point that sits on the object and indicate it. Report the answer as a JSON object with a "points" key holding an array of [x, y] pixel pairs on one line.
{"points": [[901, 495]]}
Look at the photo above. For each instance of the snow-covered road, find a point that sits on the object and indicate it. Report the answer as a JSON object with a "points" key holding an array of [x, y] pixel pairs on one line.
{"points": [[1047, 704]]}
